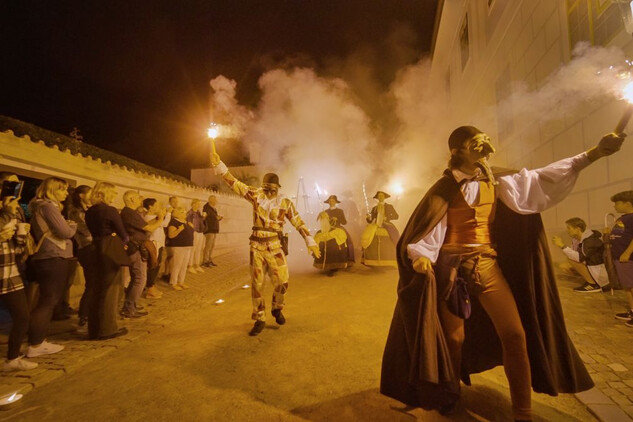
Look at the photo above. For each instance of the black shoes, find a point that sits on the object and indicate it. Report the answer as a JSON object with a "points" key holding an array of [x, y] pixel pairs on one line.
{"points": [[279, 317], [257, 328], [122, 331]]}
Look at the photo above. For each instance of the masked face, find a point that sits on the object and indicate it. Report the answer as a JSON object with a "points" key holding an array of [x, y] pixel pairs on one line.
{"points": [[270, 190], [481, 145]]}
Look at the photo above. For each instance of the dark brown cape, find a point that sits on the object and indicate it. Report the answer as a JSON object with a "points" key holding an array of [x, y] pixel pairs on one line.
{"points": [[416, 367]]}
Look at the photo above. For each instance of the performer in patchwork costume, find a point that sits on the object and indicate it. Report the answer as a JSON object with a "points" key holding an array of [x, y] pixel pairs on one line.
{"points": [[268, 244]]}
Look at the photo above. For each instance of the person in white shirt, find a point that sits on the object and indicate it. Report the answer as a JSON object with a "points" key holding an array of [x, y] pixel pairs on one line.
{"points": [[153, 210]]}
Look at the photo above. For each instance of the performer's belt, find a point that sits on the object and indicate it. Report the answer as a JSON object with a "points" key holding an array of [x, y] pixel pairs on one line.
{"points": [[274, 235]]}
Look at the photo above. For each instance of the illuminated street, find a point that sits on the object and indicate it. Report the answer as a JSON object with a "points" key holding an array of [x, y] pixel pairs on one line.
{"points": [[323, 365]]}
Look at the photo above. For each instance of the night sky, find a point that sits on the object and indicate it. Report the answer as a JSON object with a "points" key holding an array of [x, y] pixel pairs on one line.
{"points": [[133, 76]]}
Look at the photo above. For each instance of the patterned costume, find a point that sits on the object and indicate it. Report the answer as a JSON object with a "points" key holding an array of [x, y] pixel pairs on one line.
{"points": [[266, 253]]}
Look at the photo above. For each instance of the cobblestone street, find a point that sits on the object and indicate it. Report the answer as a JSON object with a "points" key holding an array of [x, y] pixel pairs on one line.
{"points": [[193, 360]]}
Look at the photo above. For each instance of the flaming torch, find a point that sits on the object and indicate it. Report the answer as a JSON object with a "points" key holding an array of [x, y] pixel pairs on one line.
{"points": [[213, 132], [627, 94]]}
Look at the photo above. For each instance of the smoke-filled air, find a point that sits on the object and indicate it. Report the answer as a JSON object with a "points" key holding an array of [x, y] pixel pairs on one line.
{"points": [[317, 128]]}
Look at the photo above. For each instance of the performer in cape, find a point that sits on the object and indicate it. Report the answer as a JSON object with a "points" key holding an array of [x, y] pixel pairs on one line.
{"points": [[332, 240], [481, 226], [380, 236]]}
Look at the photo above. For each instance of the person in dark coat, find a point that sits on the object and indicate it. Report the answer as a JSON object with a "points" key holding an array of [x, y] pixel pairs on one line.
{"points": [[333, 240], [499, 248], [380, 236]]}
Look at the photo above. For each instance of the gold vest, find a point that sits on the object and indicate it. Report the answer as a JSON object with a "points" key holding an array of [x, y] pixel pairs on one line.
{"points": [[471, 224]]}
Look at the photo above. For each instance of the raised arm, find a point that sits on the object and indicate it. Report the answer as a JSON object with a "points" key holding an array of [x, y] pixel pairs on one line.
{"points": [[532, 191], [242, 189]]}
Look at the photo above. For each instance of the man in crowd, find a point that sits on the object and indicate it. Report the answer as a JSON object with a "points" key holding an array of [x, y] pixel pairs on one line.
{"points": [[266, 250], [212, 219], [585, 255], [138, 230]]}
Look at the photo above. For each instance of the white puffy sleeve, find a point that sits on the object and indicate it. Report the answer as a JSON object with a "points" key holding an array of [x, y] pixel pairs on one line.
{"points": [[533, 191], [429, 246]]}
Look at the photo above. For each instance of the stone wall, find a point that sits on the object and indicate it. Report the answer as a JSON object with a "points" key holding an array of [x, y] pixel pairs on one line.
{"points": [[32, 158]]}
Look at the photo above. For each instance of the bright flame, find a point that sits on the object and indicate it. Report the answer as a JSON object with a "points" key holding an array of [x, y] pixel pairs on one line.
{"points": [[219, 301], [627, 92], [397, 188], [246, 286], [213, 131], [10, 399]]}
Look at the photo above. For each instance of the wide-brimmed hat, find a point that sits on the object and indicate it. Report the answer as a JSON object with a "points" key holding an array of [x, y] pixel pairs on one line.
{"points": [[384, 193], [271, 179], [327, 201]]}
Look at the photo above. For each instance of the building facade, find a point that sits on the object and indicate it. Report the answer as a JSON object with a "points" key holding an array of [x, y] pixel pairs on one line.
{"points": [[484, 48]]}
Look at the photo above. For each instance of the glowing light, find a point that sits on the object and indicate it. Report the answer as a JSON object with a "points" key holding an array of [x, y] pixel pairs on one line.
{"points": [[246, 286], [213, 131], [627, 92], [10, 399], [397, 188], [318, 189], [325, 191], [219, 301]]}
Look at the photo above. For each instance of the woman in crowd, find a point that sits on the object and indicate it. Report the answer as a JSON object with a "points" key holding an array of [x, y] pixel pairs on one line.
{"points": [[180, 239], [12, 294], [51, 264], [76, 211], [109, 237], [152, 211], [196, 218]]}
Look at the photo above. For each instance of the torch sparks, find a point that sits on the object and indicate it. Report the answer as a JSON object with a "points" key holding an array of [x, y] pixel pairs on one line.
{"points": [[627, 94], [213, 131]]}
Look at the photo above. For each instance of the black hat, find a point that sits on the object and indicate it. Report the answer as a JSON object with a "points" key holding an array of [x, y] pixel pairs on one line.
{"points": [[384, 193], [327, 201], [271, 179], [461, 135]]}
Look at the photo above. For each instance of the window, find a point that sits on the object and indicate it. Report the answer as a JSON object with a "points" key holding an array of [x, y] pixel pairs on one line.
{"points": [[464, 42]]}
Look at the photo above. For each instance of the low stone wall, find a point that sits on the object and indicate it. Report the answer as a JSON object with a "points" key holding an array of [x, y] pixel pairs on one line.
{"points": [[32, 158]]}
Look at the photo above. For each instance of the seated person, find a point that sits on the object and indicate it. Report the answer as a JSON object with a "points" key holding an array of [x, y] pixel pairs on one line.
{"points": [[585, 255]]}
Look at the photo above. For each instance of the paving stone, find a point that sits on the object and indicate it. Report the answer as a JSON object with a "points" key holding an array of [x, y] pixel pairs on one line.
{"points": [[593, 396], [617, 367], [586, 358], [621, 400], [609, 413], [628, 410], [47, 377]]}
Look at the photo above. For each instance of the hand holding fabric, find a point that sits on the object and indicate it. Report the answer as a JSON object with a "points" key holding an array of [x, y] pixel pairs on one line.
{"points": [[422, 265], [314, 250]]}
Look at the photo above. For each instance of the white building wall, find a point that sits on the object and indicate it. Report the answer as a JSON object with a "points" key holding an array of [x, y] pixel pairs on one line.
{"points": [[531, 39]]}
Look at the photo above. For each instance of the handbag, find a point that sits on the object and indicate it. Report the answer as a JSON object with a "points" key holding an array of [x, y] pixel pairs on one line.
{"points": [[149, 253], [113, 252]]}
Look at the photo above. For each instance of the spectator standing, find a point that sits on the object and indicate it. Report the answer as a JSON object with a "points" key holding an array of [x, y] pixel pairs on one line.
{"points": [[12, 294], [174, 203], [138, 230], [586, 255], [212, 220], [105, 224], [180, 238], [83, 248], [195, 217], [51, 263], [621, 238], [154, 211]]}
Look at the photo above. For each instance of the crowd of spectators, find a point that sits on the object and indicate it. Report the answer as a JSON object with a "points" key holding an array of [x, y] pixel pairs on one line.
{"points": [[74, 231]]}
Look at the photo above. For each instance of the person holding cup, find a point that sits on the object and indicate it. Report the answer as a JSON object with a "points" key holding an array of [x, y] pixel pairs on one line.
{"points": [[12, 294]]}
